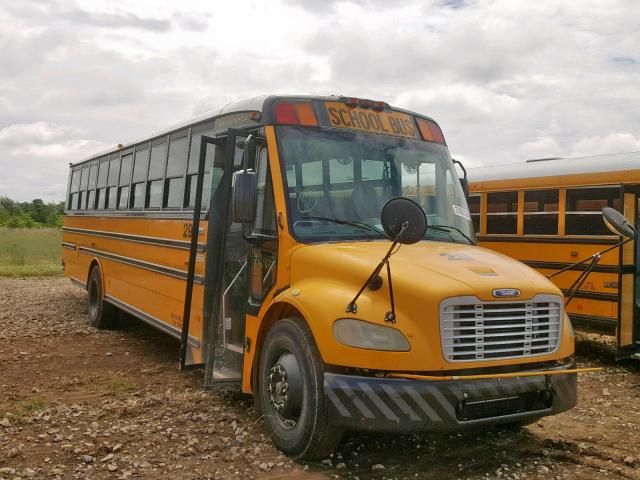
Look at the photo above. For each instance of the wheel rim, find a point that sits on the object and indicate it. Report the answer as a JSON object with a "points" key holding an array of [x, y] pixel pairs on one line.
{"points": [[284, 386]]}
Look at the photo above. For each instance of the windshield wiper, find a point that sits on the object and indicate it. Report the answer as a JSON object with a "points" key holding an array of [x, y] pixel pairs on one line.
{"points": [[353, 223], [448, 228]]}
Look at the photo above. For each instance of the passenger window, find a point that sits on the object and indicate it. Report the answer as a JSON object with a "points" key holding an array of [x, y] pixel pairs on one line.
{"points": [[584, 209], [194, 154], [175, 192], [83, 201], [84, 179], [102, 172], [123, 198], [91, 203], [158, 158], [178, 146], [541, 212], [101, 198], [155, 194], [502, 213], [138, 195], [93, 174], [125, 169], [112, 197], [140, 164], [114, 169], [75, 180], [73, 204], [474, 202]]}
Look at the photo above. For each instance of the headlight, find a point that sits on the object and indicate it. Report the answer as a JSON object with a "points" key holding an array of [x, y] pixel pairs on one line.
{"points": [[360, 334]]}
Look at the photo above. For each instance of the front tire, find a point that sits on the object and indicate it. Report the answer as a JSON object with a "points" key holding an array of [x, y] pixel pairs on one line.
{"points": [[291, 392], [102, 315]]}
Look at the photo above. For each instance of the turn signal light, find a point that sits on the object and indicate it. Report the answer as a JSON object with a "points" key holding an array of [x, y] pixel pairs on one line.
{"points": [[430, 131], [296, 113]]}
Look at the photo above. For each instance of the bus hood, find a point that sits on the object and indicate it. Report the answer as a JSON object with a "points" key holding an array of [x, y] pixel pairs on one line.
{"points": [[434, 269]]}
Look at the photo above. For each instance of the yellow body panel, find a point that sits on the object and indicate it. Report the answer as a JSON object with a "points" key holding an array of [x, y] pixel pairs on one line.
{"points": [[159, 295]]}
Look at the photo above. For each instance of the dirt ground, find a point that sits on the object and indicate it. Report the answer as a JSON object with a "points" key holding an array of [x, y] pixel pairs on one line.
{"points": [[76, 402]]}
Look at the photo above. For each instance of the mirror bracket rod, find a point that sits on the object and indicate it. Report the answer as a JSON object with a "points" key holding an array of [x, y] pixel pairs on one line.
{"points": [[390, 316]]}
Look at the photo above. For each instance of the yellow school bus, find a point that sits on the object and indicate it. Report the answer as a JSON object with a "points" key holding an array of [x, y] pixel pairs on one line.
{"points": [[254, 235], [547, 214]]}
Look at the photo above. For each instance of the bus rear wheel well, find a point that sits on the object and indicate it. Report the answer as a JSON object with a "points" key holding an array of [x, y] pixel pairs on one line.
{"points": [[94, 263]]}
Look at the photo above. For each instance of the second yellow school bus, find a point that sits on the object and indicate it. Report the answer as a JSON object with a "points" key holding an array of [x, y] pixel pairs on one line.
{"points": [[547, 214], [259, 282]]}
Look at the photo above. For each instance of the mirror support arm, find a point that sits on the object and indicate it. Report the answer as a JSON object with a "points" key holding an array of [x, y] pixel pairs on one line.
{"points": [[391, 315], [595, 258]]}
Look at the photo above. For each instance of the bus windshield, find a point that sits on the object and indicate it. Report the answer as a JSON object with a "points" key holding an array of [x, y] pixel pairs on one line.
{"points": [[338, 181]]}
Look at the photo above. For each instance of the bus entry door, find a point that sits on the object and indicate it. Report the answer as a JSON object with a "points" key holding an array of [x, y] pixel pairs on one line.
{"points": [[227, 280]]}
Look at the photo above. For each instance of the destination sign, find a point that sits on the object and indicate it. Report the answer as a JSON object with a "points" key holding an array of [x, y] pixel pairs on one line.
{"points": [[372, 121]]}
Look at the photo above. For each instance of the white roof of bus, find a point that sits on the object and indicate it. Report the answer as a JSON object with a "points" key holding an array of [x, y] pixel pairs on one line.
{"points": [[249, 104], [557, 166]]}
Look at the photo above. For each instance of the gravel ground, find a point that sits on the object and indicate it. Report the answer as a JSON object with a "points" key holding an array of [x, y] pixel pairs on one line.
{"points": [[76, 402]]}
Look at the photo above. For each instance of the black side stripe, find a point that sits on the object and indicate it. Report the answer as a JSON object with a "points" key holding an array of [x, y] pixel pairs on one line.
{"points": [[70, 246], [164, 242], [153, 267], [560, 265], [607, 297], [151, 320], [543, 239]]}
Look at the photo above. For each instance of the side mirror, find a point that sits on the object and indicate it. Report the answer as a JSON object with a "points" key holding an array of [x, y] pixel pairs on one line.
{"points": [[618, 223], [403, 220], [245, 189], [464, 182]]}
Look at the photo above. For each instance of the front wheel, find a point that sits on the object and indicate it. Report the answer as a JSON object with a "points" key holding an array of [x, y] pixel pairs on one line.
{"points": [[291, 392]]}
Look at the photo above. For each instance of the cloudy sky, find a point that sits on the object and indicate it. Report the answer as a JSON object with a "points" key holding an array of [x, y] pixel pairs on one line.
{"points": [[507, 80]]}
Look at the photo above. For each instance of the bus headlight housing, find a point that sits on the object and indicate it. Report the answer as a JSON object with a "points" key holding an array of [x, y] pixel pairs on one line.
{"points": [[361, 334]]}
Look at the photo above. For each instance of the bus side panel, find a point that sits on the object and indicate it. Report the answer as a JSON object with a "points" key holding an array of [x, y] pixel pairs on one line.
{"points": [[140, 275]]}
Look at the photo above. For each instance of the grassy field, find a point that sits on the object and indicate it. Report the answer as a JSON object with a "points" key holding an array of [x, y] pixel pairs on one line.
{"points": [[30, 251]]}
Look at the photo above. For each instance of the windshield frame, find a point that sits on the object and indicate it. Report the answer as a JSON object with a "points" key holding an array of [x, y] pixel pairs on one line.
{"points": [[359, 235]]}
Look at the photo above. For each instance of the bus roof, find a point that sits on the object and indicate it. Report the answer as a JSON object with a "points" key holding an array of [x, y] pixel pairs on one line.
{"points": [[253, 104], [596, 169]]}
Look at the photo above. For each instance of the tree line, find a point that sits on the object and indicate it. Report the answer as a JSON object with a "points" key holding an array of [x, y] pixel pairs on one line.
{"points": [[31, 214]]}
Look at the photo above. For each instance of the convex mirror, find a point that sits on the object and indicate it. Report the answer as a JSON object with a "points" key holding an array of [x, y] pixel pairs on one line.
{"points": [[618, 223], [398, 211]]}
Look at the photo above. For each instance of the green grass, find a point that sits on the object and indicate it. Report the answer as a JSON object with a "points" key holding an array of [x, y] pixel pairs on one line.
{"points": [[32, 405], [116, 386], [30, 251]]}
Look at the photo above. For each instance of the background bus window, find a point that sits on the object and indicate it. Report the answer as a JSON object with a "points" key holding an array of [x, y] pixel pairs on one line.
{"points": [[584, 209], [84, 181], [176, 167], [541, 212], [474, 210], [502, 213]]}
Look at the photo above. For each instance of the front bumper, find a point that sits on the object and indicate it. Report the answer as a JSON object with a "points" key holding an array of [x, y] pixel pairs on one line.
{"points": [[398, 405]]}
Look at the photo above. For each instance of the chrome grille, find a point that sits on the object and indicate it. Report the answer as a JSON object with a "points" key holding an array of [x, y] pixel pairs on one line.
{"points": [[473, 330]]}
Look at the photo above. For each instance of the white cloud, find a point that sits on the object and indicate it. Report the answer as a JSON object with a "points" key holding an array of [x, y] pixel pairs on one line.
{"points": [[612, 143], [506, 80]]}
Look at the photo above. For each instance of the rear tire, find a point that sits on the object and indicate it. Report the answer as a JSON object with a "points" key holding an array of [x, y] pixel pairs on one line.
{"points": [[102, 315], [291, 392]]}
